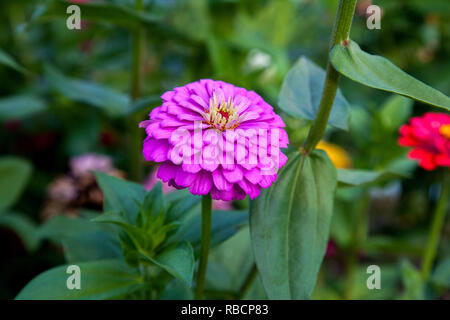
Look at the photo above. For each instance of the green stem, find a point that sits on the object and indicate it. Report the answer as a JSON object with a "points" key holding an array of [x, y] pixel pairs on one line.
{"points": [[205, 244], [340, 34], [248, 282], [436, 227], [135, 133]]}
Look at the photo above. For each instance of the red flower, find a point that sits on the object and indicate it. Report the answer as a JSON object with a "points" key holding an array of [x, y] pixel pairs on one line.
{"points": [[429, 136]]}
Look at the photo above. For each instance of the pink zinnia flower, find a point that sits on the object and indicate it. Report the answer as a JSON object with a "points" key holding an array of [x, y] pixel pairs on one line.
{"points": [[429, 136], [213, 137]]}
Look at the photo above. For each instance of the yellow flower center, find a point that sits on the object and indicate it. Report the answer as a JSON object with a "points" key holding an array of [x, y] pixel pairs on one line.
{"points": [[222, 114], [445, 130]]}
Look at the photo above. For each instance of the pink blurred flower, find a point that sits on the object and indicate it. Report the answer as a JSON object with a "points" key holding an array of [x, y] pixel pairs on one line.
{"points": [[429, 136], [190, 135]]}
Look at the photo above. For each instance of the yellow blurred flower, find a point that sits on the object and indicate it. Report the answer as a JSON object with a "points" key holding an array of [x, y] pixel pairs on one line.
{"points": [[338, 156]]}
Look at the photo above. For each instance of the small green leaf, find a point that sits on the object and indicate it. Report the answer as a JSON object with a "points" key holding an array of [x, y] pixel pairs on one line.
{"points": [[153, 204], [14, 175], [82, 239], [100, 280], [290, 225], [117, 14], [112, 102], [20, 106], [120, 195], [9, 61], [178, 260], [302, 90], [23, 226], [378, 72]]}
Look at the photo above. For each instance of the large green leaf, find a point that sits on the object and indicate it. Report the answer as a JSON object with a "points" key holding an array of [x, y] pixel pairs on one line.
{"points": [[178, 260], [120, 195], [20, 106], [121, 15], [378, 72], [14, 175], [290, 224], [103, 279], [302, 90], [112, 102], [82, 239]]}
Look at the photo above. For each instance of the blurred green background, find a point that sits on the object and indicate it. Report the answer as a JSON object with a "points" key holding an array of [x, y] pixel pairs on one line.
{"points": [[65, 93]]}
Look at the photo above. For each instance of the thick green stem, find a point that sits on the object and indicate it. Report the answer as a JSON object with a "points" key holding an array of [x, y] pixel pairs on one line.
{"points": [[340, 34], [436, 227], [205, 244], [135, 133]]}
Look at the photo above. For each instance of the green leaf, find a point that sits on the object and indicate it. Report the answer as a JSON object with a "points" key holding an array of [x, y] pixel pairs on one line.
{"points": [[229, 265], [395, 111], [178, 260], [120, 195], [82, 239], [153, 204], [23, 226], [14, 175], [177, 290], [400, 168], [302, 90], [378, 72], [290, 225], [224, 224], [9, 61], [356, 177], [112, 102], [142, 104], [412, 282], [20, 106], [104, 279], [181, 204], [357, 285]]}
